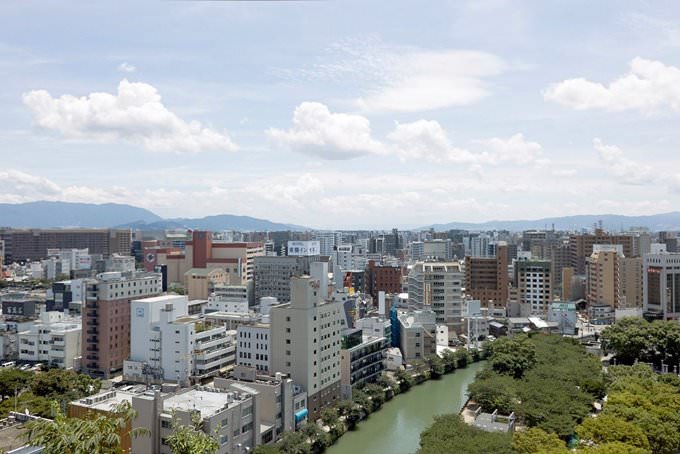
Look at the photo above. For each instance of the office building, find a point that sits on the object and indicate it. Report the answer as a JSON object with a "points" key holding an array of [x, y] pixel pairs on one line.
{"points": [[533, 280], [305, 340], [439, 286], [327, 242], [382, 278], [228, 298], [661, 285], [106, 318], [253, 347], [168, 345], [486, 278], [273, 274], [199, 283]]}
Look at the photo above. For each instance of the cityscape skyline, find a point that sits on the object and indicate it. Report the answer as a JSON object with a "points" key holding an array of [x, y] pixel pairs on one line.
{"points": [[264, 110]]}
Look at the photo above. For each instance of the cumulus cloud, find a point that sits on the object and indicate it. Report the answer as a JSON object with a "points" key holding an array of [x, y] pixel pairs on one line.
{"points": [[17, 186], [319, 132], [135, 113], [126, 67], [426, 139], [624, 169], [649, 85], [515, 149]]}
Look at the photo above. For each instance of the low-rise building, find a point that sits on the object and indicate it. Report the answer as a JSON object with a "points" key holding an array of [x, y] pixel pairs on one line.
{"points": [[417, 334], [54, 339], [281, 405]]}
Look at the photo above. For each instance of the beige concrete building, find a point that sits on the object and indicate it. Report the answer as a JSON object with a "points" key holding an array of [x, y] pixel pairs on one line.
{"points": [[603, 276], [200, 282], [305, 340], [631, 270], [417, 334]]}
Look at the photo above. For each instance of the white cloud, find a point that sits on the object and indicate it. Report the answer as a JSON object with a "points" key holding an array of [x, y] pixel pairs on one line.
{"points": [[17, 186], [515, 149], [564, 172], [319, 132], [648, 86], [135, 113], [126, 67], [624, 169], [426, 80], [403, 79], [426, 139]]}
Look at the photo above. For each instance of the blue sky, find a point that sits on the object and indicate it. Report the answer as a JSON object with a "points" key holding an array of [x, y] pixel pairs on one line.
{"points": [[343, 114]]}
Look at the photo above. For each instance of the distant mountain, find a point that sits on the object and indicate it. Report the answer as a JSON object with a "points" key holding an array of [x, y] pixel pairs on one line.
{"points": [[611, 222], [219, 222], [65, 214]]}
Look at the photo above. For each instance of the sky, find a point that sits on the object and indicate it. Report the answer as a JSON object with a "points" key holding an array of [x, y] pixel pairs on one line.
{"points": [[343, 114]]}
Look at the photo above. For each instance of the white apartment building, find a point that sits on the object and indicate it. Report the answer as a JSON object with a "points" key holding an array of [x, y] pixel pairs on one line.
{"points": [[169, 345], [229, 298], [439, 286], [306, 338], [661, 289], [253, 347], [53, 339], [343, 257], [120, 263]]}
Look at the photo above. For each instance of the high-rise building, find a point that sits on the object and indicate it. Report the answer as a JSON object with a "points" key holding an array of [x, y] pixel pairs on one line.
{"points": [[272, 275], [253, 348], [439, 286], [32, 244], [631, 270], [106, 318], [305, 341], [581, 246], [533, 279], [603, 271], [661, 288], [328, 241], [382, 278], [486, 278]]}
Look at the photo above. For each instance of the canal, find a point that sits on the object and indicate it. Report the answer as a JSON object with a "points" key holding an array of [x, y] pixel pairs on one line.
{"points": [[395, 429]]}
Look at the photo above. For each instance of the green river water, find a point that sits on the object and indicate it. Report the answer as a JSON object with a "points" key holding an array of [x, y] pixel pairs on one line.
{"points": [[395, 429]]}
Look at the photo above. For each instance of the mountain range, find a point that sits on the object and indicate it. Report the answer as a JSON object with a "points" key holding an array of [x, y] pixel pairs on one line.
{"points": [[113, 215], [611, 222], [109, 215]]}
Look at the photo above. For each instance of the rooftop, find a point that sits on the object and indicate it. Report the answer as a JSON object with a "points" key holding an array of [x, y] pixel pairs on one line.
{"points": [[207, 402]]}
